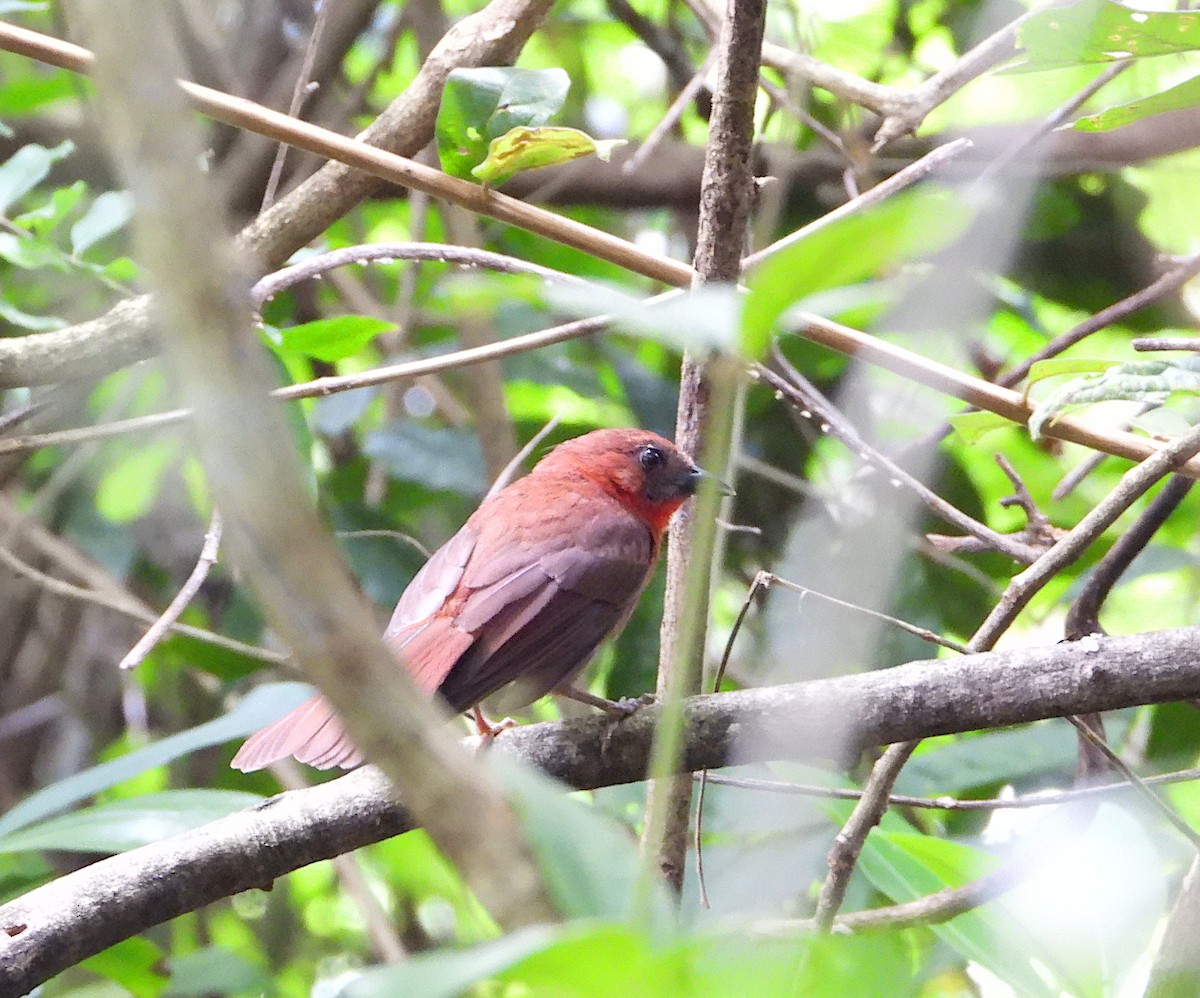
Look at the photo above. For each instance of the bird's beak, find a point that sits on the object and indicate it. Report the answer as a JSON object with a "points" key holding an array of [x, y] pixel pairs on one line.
{"points": [[698, 475]]}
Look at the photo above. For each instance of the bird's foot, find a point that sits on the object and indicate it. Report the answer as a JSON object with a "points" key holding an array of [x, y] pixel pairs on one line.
{"points": [[489, 730], [616, 709]]}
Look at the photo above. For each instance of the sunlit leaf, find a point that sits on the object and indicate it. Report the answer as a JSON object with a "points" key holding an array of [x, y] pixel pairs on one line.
{"points": [[1102, 31], [973, 426], [479, 105], [334, 339], [525, 148], [906, 867], [907, 227], [128, 824], [109, 212], [1149, 381], [131, 963], [448, 974], [262, 706], [43, 220], [27, 168], [1055, 366], [31, 253], [1185, 94], [130, 485], [36, 323]]}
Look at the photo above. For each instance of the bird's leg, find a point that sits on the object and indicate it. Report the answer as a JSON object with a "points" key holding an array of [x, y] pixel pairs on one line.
{"points": [[488, 730], [613, 708]]}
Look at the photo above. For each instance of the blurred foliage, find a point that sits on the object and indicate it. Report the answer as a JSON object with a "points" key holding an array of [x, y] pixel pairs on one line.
{"points": [[977, 279]]}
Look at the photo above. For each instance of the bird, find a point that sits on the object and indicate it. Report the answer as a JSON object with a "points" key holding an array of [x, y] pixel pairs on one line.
{"points": [[521, 597]]}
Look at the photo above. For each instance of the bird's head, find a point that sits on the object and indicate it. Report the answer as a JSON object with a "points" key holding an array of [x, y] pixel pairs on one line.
{"points": [[645, 472]]}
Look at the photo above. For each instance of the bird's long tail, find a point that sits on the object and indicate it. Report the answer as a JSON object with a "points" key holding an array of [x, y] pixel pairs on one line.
{"points": [[312, 733]]}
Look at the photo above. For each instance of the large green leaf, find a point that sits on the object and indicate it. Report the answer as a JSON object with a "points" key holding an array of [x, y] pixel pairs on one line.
{"points": [[128, 824], [1149, 381], [590, 865], [133, 964], [262, 706], [438, 458], [905, 867], [907, 227], [448, 973], [1102, 31], [479, 105]]}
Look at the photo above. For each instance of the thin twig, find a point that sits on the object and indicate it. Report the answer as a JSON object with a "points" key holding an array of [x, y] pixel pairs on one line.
{"points": [[807, 398], [301, 91], [522, 455], [1133, 484], [1055, 118], [1149, 343], [1023, 802], [130, 609], [847, 847], [762, 581], [1168, 812], [921, 632], [1172, 280], [933, 909], [392, 535], [1083, 617], [933, 160], [158, 630], [674, 112]]}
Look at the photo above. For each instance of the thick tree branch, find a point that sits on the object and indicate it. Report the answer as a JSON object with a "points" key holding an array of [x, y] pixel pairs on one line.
{"points": [[55, 926]]}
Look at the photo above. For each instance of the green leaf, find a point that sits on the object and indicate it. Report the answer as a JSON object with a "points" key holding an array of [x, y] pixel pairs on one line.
{"points": [[331, 340], [128, 824], [479, 105], [109, 212], [215, 971], [907, 227], [1185, 94], [449, 973], [27, 168], [130, 963], [590, 865], [700, 319], [906, 866], [130, 484], [1056, 366], [32, 253], [37, 323], [1101, 31], [262, 706], [974, 426], [44, 220], [1150, 381], [436, 457], [22, 6], [525, 148]]}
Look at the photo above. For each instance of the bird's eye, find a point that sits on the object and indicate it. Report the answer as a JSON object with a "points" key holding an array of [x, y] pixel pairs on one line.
{"points": [[651, 457]]}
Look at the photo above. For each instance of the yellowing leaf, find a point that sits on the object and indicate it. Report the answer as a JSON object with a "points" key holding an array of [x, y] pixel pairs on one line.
{"points": [[525, 148]]}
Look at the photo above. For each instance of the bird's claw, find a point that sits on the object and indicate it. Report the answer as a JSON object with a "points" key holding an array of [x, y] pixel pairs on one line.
{"points": [[627, 706]]}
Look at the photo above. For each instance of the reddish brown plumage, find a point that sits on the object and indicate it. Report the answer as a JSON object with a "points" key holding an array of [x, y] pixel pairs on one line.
{"points": [[539, 575]]}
